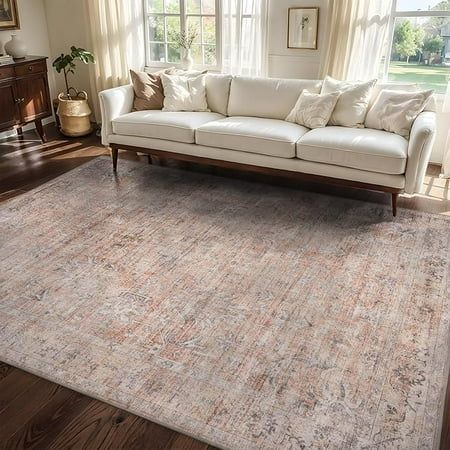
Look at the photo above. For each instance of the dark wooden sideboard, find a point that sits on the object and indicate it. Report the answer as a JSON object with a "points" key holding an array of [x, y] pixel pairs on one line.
{"points": [[24, 94]]}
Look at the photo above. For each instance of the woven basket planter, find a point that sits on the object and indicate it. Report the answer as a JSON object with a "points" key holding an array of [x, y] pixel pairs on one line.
{"points": [[74, 114]]}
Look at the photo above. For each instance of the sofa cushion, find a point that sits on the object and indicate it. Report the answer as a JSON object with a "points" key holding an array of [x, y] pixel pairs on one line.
{"points": [[271, 98], [218, 92], [173, 126], [365, 149], [251, 134]]}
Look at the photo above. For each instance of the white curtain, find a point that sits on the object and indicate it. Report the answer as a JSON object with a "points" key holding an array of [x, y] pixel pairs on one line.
{"points": [[446, 161], [358, 31], [116, 29], [244, 37]]}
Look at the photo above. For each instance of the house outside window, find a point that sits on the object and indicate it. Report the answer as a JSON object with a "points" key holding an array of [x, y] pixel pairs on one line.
{"points": [[418, 49], [165, 18]]}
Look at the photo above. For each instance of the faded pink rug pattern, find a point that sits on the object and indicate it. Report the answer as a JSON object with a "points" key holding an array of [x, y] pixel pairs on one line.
{"points": [[246, 315]]}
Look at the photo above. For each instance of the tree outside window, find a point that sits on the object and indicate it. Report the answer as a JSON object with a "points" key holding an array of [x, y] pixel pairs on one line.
{"points": [[420, 51]]}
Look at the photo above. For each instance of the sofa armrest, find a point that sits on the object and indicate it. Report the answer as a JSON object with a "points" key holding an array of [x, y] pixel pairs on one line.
{"points": [[421, 142], [114, 103]]}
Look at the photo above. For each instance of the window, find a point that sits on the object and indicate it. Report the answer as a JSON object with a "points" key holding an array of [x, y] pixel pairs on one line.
{"points": [[419, 44], [166, 18]]}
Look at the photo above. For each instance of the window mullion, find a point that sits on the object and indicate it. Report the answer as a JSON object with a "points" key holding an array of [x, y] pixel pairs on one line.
{"points": [[218, 14], [239, 27], [163, 15], [202, 46], [183, 16], [390, 42]]}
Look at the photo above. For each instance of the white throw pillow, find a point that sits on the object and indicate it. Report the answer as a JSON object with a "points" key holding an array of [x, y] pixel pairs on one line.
{"points": [[313, 110], [395, 111], [184, 92], [351, 108]]}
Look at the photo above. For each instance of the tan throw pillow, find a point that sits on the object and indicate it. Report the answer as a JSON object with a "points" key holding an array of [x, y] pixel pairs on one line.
{"points": [[396, 111], [148, 90], [313, 110], [351, 108]]}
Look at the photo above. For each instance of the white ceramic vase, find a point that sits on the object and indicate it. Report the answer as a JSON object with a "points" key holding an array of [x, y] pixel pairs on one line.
{"points": [[16, 47], [186, 59]]}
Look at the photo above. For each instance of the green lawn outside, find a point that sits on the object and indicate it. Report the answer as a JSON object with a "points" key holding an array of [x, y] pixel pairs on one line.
{"points": [[428, 77]]}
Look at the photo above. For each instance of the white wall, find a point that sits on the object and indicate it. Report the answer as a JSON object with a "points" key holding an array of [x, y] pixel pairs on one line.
{"points": [[67, 27], [33, 31], [287, 62]]}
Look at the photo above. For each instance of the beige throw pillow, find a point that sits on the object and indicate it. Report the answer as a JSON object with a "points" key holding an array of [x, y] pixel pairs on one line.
{"points": [[313, 110], [148, 90], [395, 111], [184, 92], [351, 108]]}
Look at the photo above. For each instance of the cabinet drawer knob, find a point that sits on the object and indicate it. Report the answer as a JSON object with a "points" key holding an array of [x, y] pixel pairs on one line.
{"points": [[30, 68]]}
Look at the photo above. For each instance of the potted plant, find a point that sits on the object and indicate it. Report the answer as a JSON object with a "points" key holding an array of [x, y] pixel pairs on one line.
{"points": [[73, 108], [184, 40]]}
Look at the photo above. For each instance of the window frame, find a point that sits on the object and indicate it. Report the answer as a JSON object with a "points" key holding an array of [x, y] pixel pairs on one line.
{"points": [[390, 38], [184, 17]]}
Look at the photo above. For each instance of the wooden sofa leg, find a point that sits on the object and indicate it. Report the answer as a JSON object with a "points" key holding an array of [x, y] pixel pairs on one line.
{"points": [[115, 156], [394, 204], [150, 159]]}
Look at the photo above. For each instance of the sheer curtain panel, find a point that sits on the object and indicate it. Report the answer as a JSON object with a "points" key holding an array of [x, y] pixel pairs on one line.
{"points": [[244, 37], [116, 29], [358, 31], [446, 160]]}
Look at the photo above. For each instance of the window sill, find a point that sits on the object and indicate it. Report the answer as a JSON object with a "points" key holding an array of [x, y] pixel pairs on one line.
{"points": [[160, 65]]}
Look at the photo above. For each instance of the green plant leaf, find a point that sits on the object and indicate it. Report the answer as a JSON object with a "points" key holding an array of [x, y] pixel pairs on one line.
{"points": [[66, 63]]}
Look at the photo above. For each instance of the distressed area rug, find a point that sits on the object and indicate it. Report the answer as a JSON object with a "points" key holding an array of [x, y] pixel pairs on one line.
{"points": [[245, 315]]}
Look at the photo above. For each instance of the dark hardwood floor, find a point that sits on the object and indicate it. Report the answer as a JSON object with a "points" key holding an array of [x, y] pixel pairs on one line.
{"points": [[38, 414], [35, 413]]}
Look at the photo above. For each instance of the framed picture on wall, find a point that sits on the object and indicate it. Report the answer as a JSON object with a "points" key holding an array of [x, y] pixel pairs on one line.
{"points": [[9, 15], [303, 26]]}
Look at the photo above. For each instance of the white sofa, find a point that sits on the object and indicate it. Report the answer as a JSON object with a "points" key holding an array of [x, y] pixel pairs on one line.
{"points": [[246, 129]]}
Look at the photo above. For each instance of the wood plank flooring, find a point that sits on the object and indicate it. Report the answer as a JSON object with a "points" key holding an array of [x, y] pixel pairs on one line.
{"points": [[38, 414]]}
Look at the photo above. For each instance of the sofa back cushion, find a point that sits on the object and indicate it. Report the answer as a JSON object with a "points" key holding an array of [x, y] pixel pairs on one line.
{"points": [[218, 92], [270, 98]]}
